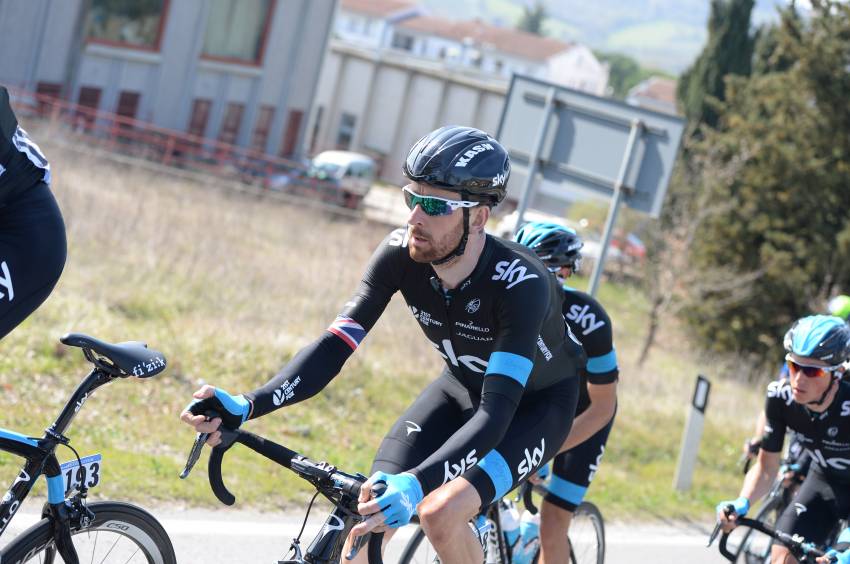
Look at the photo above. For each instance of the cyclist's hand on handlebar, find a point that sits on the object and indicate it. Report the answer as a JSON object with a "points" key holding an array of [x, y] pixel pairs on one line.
{"points": [[729, 511], [840, 554], [231, 410], [393, 507], [751, 448]]}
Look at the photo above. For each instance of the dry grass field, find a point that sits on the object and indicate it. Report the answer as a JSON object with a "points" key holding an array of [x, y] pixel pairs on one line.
{"points": [[230, 284]]}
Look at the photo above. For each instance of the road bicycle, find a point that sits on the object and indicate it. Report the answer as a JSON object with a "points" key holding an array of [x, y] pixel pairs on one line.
{"points": [[587, 534], [340, 488], [72, 530], [803, 551]]}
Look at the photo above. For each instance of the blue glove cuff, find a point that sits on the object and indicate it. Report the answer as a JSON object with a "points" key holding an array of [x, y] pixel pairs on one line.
{"points": [[741, 506], [237, 405]]}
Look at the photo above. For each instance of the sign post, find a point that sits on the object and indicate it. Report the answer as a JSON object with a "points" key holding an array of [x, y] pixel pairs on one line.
{"points": [[692, 435]]}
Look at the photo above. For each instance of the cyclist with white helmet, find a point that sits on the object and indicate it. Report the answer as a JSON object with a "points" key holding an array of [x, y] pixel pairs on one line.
{"points": [[815, 404], [839, 306], [579, 457], [505, 402]]}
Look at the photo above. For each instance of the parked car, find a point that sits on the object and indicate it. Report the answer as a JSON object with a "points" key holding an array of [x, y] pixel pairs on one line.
{"points": [[353, 173]]}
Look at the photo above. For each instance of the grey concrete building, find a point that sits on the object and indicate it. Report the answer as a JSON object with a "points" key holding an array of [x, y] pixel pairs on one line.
{"points": [[241, 71]]}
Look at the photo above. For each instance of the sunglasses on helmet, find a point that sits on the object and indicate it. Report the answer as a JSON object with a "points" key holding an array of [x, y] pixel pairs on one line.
{"points": [[809, 371], [434, 205]]}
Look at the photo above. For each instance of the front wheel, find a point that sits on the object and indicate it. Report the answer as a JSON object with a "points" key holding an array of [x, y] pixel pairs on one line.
{"points": [[587, 535], [120, 532]]}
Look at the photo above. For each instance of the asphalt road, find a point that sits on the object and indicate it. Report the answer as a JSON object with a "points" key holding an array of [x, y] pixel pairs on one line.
{"points": [[236, 536]]}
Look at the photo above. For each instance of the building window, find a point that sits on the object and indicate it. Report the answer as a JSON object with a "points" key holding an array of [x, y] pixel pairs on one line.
{"points": [[262, 127], [403, 42], [290, 138], [47, 93], [499, 65], [128, 104], [232, 120], [135, 23], [236, 30], [89, 99], [346, 131], [200, 116]]}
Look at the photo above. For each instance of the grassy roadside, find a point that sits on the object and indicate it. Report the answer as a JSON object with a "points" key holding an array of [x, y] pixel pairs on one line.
{"points": [[229, 286]]}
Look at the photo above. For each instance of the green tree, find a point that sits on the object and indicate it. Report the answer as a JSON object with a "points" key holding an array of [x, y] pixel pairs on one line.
{"points": [[625, 73], [729, 50], [784, 134], [532, 19]]}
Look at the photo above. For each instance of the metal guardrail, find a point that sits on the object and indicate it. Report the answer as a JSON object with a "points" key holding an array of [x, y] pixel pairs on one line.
{"points": [[167, 147]]}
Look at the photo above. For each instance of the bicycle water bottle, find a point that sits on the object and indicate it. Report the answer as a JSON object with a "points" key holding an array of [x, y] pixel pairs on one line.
{"points": [[509, 522], [529, 539]]}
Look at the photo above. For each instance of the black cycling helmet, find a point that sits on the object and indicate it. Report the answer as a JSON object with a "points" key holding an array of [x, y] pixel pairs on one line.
{"points": [[554, 244], [824, 337], [461, 159]]}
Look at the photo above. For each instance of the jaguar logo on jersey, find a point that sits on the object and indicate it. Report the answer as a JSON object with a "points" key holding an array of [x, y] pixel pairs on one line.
{"points": [[467, 360], [584, 319], [286, 391], [513, 272], [473, 305], [532, 459], [6, 282], [470, 154], [456, 470], [425, 318]]}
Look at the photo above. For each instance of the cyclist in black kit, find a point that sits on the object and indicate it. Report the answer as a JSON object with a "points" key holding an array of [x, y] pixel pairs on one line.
{"points": [[32, 232], [814, 403], [490, 308], [578, 460]]}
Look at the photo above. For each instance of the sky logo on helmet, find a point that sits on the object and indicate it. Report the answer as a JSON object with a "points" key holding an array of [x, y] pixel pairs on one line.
{"points": [[499, 180], [468, 155]]}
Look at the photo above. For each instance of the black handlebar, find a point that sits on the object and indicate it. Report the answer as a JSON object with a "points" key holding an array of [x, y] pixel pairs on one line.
{"points": [[797, 545]]}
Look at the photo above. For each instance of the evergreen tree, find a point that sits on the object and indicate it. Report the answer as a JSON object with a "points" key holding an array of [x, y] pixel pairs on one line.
{"points": [[729, 50], [532, 18], [780, 161]]}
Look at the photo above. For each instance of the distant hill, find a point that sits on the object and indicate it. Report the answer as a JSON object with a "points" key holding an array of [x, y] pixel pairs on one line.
{"points": [[665, 34]]}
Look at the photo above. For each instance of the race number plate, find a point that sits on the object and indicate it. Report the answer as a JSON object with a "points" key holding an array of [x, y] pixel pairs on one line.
{"points": [[88, 473]]}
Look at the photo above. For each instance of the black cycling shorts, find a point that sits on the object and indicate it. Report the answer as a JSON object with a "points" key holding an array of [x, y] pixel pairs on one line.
{"points": [[816, 509], [32, 253], [539, 427], [572, 471]]}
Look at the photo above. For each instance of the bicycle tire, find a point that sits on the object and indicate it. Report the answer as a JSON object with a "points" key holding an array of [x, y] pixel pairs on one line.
{"points": [[418, 552], [120, 532], [587, 535], [755, 547]]}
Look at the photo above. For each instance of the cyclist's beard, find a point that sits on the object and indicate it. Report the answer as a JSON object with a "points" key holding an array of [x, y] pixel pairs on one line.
{"points": [[433, 248]]}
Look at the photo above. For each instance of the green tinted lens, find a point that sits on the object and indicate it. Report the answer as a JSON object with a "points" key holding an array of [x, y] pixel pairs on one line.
{"points": [[431, 206]]}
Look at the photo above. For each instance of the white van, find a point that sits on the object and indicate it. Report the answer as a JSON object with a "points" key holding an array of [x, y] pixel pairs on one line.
{"points": [[354, 172]]}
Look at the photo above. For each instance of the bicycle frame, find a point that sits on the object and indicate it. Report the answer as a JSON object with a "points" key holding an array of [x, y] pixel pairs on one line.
{"points": [[41, 459]]}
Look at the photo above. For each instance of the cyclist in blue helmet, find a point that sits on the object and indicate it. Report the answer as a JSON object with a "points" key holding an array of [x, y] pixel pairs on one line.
{"points": [[814, 403], [579, 457]]}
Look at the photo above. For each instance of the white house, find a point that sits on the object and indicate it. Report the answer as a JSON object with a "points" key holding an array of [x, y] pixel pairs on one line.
{"points": [[369, 23], [655, 93]]}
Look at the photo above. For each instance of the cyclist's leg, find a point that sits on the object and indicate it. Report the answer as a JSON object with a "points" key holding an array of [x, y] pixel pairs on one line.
{"points": [[812, 513], [32, 254], [572, 472], [439, 411], [444, 515]]}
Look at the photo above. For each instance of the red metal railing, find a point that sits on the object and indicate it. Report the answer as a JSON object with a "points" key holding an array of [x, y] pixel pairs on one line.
{"points": [[172, 148]]}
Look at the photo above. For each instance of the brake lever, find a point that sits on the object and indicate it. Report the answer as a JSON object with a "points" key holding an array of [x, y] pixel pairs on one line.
{"points": [[358, 543], [726, 510], [194, 454]]}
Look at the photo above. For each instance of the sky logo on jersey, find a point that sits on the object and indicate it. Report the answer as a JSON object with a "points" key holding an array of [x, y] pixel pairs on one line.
{"points": [[584, 319], [532, 459], [513, 272], [457, 470], [348, 330], [498, 180], [778, 390], [6, 282], [471, 362], [399, 237], [824, 462], [468, 156]]}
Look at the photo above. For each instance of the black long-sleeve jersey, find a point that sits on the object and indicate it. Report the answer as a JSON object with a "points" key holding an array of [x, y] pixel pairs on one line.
{"points": [[824, 436], [500, 332], [22, 163]]}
